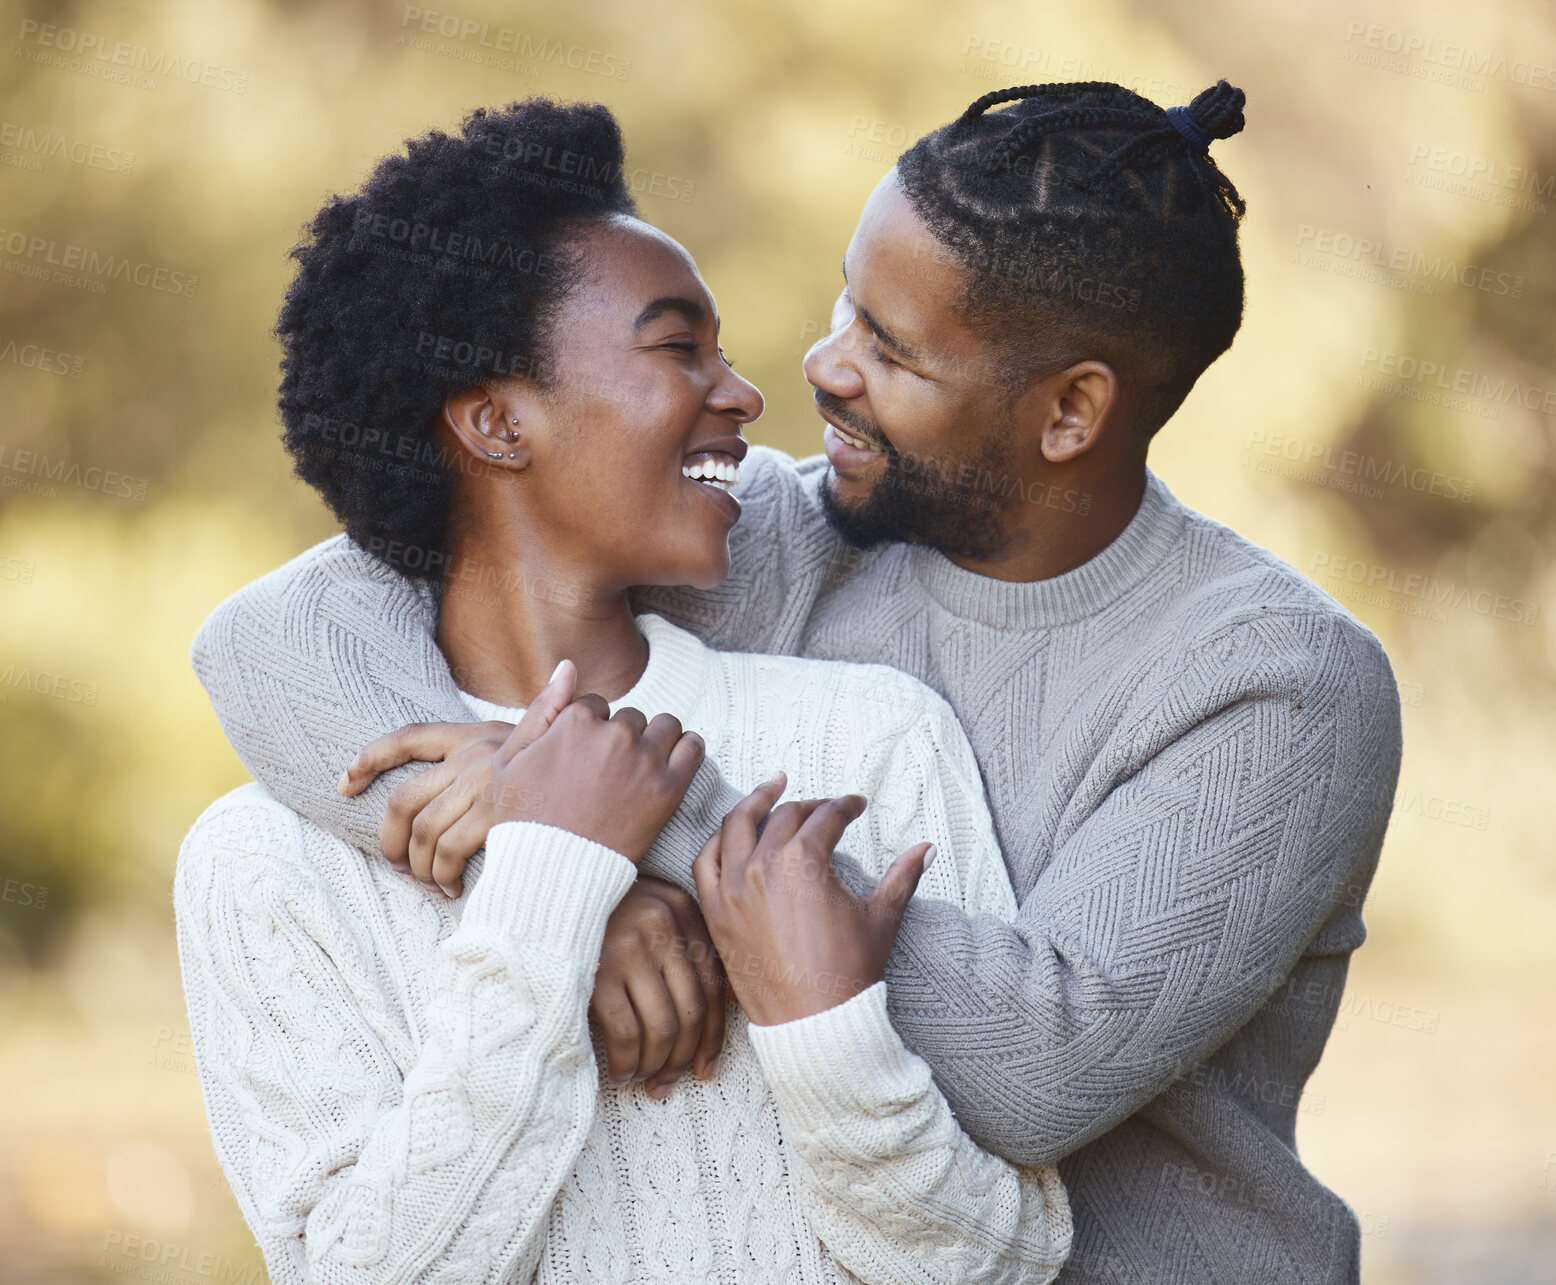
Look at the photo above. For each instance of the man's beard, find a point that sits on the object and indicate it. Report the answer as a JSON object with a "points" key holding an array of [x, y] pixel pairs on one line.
{"points": [[919, 499]]}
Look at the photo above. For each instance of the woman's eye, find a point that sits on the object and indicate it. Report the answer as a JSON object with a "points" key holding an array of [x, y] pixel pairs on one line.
{"points": [[681, 347], [724, 357]]}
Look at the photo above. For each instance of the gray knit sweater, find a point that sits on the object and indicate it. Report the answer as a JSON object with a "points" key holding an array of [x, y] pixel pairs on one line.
{"points": [[1190, 755]]}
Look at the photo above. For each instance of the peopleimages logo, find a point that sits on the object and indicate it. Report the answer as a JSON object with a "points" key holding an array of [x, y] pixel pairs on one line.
{"points": [[102, 58], [1410, 47], [1473, 384], [85, 268], [1428, 591], [78, 151], [1402, 259]]}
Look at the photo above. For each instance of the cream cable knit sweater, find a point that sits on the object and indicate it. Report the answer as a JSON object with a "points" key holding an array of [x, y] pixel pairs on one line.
{"points": [[403, 1088]]}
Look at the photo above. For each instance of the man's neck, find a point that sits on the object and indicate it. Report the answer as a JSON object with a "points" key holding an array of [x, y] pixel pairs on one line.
{"points": [[1068, 529]]}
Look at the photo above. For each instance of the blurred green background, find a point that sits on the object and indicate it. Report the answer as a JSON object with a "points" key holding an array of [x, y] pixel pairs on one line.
{"points": [[1384, 423]]}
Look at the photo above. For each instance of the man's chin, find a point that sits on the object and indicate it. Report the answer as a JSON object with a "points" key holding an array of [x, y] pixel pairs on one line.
{"points": [[893, 510], [847, 507]]}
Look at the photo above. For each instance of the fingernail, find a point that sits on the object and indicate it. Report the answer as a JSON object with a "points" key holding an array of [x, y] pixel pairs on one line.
{"points": [[556, 671], [659, 1092], [447, 891], [712, 1069], [621, 1077], [929, 857], [345, 780]]}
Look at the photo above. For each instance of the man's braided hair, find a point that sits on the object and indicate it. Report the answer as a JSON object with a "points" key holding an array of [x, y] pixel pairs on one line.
{"points": [[1090, 225]]}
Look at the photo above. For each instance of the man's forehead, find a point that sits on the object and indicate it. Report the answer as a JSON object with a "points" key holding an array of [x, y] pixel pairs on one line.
{"points": [[909, 281]]}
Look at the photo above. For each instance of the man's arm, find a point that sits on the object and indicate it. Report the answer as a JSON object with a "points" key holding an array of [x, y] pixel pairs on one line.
{"points": [[1171, 906], [311, 662]]}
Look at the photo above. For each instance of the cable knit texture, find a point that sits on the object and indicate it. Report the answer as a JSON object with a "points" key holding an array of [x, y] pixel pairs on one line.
{"points": [[404, 1088], [1190, 754]]}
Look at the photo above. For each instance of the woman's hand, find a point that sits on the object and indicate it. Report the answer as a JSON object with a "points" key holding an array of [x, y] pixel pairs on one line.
{"points": [[659, 991], [437, 820], [613, 778], [794, 939]]}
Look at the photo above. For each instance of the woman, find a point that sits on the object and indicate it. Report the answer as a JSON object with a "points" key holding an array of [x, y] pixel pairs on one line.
{"points": [[510, 390]]}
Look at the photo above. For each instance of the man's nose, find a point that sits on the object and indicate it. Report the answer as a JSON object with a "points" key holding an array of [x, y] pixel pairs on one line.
{"points": [[830, 366]]}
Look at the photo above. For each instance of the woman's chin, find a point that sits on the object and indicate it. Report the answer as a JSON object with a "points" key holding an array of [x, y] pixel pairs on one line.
{"points": [[704, 573]]}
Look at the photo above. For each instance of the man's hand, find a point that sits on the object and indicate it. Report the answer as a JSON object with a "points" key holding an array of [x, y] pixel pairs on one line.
{"points": [[659, 992], [794, 939]]}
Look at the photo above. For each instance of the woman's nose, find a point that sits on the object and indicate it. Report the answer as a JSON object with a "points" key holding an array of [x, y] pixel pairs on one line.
{"points": [[738, 394]]}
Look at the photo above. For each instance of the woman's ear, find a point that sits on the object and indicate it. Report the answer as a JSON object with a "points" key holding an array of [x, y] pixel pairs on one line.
{"points": [[487, 424]]}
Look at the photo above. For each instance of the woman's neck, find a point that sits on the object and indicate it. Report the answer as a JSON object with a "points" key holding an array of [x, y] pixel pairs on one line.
{"points": [[505, 624]]}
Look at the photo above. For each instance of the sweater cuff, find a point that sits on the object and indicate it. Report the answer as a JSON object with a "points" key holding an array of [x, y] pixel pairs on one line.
{"points": [[542, 884], [847, 1060]]}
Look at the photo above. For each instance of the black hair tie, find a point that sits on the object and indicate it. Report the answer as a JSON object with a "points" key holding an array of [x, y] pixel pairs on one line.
{"points": [[1183, 121]]}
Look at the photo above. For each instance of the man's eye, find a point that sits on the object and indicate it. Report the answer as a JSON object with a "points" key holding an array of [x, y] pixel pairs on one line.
{"points": [[875, 350]]}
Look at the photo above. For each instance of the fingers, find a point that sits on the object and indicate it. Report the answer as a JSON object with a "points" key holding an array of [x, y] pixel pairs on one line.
{"points": [[659, 1018], [740, 826], [455, 847], [596, 704], [824, 827], [617, 1020], [690, 1003], [889, 898], [629, 717], [428, 829], [406, 801], [715, 986], [425, 741], [706, 871], [686, 757], [554, 697], [662, 734], [786, 821]]}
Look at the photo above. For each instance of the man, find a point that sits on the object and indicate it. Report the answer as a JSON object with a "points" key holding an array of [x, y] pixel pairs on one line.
{"points": [[1190, 753]]}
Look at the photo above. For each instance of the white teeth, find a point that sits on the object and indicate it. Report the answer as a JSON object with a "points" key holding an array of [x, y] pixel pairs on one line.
{"points": [[852, 440], [720, 473]]}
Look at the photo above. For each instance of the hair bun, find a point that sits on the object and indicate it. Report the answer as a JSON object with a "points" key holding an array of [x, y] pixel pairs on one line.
{"points": [[1219, 110]]}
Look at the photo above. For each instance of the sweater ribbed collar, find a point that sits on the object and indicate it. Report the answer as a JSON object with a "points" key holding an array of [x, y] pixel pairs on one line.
{"points": [[677, 674], [1154, 532]]}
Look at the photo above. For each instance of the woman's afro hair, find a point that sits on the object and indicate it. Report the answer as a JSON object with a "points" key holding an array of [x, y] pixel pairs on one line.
{"points": [[439, 274]]}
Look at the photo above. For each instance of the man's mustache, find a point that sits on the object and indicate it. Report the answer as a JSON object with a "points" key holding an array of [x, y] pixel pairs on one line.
{"points": [[832, 408]]}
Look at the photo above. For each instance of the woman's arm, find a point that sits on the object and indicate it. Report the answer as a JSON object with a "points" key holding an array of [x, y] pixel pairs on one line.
{"points": [[895, 1188], [354, 1155], [896, 1191]]}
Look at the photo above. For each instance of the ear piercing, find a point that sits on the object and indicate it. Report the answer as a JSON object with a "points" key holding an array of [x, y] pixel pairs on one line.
{"points": [[512, 455]]}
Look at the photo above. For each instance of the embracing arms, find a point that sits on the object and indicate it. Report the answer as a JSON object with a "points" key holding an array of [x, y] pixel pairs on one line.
{"points": [[1042, 1033]]}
